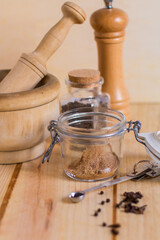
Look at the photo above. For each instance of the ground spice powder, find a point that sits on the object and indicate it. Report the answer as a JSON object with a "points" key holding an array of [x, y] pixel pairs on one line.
{"points": [[96, 162]]}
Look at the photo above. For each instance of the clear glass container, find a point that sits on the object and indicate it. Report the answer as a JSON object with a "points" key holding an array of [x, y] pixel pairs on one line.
{"points": [[91, 142], [84, 94]]}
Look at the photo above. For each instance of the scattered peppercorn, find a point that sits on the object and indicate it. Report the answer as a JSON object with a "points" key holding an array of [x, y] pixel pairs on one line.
{"points": [[116, 225], [129, 199], [104, 224], [129, 208], [132, 196], [101, 193], [118, 205], [139, 195], [114, 231], [128, 204], [102, 202]]}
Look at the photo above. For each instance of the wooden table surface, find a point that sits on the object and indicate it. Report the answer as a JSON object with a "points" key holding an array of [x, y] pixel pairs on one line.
{"points": [[33, 203]]}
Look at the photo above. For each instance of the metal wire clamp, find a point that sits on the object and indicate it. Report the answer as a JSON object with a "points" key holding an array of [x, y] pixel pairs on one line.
{"points": [[55, 140]]}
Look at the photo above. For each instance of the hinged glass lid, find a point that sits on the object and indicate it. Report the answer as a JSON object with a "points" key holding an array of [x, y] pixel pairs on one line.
{"points": [[152, 142]]}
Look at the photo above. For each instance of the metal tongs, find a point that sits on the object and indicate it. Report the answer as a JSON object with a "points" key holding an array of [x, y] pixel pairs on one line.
{"points": [[142, 169]]}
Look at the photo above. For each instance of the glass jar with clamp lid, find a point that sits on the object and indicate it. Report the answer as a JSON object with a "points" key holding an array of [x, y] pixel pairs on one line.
{"points": [[91, 141]]}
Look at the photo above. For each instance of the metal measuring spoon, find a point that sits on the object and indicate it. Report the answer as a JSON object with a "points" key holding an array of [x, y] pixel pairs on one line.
{"points": [[137, 173], [79, 195]]}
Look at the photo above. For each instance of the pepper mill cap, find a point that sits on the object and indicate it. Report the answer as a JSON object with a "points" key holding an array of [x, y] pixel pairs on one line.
{"points": [[108, 21], [84, 76]]}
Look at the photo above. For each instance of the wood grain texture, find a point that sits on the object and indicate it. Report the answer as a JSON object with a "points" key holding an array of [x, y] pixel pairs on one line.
{"points": [[109, 30], [10, 188], [141, 225], [24, 118], [5, 176], [38, 207]]}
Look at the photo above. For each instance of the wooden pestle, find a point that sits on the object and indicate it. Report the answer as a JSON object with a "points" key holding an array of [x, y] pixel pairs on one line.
{"points": [[31, 68], [109, 24]]}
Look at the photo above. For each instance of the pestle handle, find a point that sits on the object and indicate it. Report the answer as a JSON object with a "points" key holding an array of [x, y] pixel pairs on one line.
{"points": [[31, 68], [72, 14]]}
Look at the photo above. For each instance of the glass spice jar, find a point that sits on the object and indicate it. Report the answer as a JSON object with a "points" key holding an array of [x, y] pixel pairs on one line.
{"points": [[90, 153], [84, 90]]}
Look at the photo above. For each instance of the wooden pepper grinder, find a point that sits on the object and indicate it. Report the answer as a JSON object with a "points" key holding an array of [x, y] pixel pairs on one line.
{"points": [[109, 24]]}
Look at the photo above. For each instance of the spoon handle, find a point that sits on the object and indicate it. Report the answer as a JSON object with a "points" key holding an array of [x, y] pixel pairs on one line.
{"points": [[110, 183]]}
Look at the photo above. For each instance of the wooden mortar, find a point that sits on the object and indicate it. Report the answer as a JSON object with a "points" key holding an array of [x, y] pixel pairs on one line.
{"points": [[24, 118]]}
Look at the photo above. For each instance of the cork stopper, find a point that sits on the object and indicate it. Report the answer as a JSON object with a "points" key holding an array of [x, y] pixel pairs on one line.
{"points": [[84, 76]]}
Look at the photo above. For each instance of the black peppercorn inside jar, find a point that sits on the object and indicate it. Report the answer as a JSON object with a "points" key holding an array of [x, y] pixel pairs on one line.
{"points": [[84, 90]]}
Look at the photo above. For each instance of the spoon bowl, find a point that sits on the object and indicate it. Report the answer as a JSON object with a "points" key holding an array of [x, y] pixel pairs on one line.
{"points": [[76, 196]]}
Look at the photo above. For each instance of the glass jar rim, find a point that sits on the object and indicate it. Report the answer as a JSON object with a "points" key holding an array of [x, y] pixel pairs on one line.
{"points": [[87, 85], [68, 118]]}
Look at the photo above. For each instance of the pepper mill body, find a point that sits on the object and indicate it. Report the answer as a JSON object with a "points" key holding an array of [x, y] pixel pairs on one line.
{"points": [[109, 25]]}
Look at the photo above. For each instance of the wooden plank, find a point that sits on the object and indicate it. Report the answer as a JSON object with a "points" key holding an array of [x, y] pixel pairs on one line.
{"points": [[6, 173], [38, 207], [140, 226]]}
